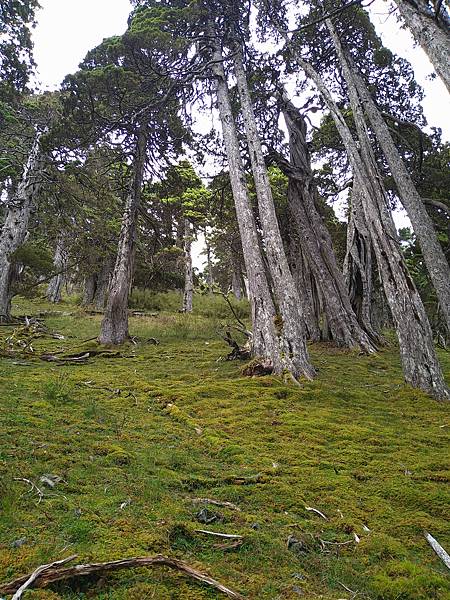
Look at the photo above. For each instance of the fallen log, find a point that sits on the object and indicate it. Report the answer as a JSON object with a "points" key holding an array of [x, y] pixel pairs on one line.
{"points": [[53, 573]]}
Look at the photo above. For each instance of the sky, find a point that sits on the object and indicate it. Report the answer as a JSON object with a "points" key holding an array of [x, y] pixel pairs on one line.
{"points": [[67, 29]]}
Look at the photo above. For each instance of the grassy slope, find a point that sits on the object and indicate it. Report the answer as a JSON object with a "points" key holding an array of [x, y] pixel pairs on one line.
{"points": [[355, 443]]}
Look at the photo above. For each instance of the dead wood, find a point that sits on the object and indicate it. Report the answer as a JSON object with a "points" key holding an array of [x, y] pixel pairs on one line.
{"points": [[229, 536], [216, 503], [37, 573], [53, 573], [438, 549], [80, 357]]}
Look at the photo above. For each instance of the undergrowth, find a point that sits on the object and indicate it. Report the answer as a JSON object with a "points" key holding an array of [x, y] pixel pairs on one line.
{"points": [[133, 441]]}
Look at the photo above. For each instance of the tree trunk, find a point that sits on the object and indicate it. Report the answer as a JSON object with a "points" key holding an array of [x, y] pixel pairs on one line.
{"points": [[90, 285], [315, 239], [304, 280], [103, 281], [420, 364], [15, 227], [55, 285], [265, 342], [114, 327], [209, 275], [422, 223], [188, 273], [358, 268], [236, 276], [292, 325], [433, 36]]}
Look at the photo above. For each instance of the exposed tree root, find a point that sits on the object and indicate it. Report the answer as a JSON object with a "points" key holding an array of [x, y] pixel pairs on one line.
{"points": [[53, 572]]}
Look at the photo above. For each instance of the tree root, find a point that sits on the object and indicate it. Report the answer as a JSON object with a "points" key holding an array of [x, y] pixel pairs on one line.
{"points": [[53, 572]]}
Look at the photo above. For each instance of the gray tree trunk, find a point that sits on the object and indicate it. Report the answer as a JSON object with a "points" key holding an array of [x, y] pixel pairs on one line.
{"points": [[420, 364], [358, 268], [435, 261], [114, 327], [102, 284], [209, 275], [292, 324], [55, 285], [15, 227], [433, 36], [236, 276], [188, 273], [265, 342], [315, 239], [90, 285]]}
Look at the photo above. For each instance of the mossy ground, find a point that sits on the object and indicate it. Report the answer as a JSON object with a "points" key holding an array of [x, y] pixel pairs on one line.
{"points": [[136, 439]]}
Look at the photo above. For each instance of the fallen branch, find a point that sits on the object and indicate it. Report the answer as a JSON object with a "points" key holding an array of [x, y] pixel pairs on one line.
{"points": [[228, 536], [438, 549], [53, 573], [311, 509], [216, 503], [37, 573], [33, 487]]}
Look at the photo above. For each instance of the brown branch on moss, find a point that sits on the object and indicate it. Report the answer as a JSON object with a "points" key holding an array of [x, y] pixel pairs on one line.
{"points": [[52, 573]]}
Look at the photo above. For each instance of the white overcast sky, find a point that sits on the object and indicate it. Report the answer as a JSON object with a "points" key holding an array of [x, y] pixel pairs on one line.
{"points": [[67, 29]]}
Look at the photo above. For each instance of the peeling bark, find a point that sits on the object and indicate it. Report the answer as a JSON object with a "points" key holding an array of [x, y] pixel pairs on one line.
{"points": [[114, 327], [435, 261], [358, 268], [292, 325], [15, 227], [188, 273], [431, 34], [316, 240]]}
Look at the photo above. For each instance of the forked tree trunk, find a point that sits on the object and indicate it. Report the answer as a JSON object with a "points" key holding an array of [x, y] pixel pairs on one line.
{"points": [[345, 330], [422, 223], [265, 342], [15, 227], [292, 323], [114, 327], [102, 283], [55, 285], [431, 34], [420, 364], [358, 267], [188, 273]]}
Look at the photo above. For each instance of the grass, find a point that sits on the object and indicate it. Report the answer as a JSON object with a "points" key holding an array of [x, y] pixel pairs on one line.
{"points": [[136, 439]]}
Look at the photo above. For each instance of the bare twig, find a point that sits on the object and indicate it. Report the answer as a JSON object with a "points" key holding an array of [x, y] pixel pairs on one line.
{"points": [[229, 536], [215, 503], [33, 487], [310, 508], [53, 573]]}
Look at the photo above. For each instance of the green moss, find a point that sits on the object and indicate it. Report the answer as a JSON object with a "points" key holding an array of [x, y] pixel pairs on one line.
{"points": [[136, 440]]}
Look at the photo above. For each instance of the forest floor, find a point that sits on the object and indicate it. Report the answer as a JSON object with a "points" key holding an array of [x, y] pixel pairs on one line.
{"points": [[129, 443]]}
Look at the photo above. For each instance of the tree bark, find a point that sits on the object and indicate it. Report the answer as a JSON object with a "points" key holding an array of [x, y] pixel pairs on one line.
{"points": [[15, 227], [55, 285], [90, 285], [102, 284], [236, 275], [209, 275], [292, 323], [358, 268], [114, 327], [188, 273], [420, 364], [433, 36], [345, 330], [435, 261], [265, 342]]}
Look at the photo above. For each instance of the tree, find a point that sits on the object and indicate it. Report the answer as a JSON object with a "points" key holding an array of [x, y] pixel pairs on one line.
{"points": [[430, 26]]}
